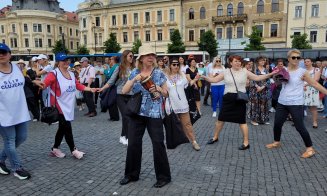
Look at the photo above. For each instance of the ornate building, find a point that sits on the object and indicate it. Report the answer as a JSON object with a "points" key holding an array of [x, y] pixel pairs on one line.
{"points": [[151, 21], [232, 20], [308, 17], [33, 26]]}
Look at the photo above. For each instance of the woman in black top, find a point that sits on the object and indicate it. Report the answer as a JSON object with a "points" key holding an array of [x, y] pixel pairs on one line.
{"points": [[193, 77]]}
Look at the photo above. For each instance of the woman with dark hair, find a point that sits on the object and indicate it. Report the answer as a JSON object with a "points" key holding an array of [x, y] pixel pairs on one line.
{"points": [[160, 64], [182, 65], [119, 78], [233, 110], [259, 95], [276, 87], [192, 77]]}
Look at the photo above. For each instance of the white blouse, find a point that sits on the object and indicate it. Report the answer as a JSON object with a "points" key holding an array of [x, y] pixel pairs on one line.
{"points": [[177, 99]]}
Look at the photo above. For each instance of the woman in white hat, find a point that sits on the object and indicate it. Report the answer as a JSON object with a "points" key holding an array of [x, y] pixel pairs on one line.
{"points": [[150, 116]]}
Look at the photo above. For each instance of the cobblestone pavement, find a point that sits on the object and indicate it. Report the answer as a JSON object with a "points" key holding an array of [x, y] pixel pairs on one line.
{"points": [[218, 169]]}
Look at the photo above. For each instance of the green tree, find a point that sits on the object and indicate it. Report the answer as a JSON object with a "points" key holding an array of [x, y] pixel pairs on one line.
{"points": [[300, 41], [137, 43], [111, 45], [59, 48], [208, 43], [176, 45], [82, 50], [255, 40]]}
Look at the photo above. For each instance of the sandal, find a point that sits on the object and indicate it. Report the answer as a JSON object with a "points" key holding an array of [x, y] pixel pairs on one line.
{"points": [[308, 154], [273, 145]]}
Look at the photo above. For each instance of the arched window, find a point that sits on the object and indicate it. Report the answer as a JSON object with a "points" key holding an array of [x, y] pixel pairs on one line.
{"points": [[191, 14], [220, 10], [202, 13], [240, 8], [260, 7], [274, 5], [230, 9]]}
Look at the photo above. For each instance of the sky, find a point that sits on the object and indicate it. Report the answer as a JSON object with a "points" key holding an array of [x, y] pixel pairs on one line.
{"points": [[68, 5]]}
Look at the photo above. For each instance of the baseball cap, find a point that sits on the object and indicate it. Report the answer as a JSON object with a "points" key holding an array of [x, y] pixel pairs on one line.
{"points": [[83, 59], [5, 48], [246, 59], [34, 58], [61, 56], [42, 56]]}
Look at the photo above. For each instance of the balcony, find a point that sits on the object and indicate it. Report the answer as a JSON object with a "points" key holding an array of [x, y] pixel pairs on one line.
{"points": [[229, 19]]}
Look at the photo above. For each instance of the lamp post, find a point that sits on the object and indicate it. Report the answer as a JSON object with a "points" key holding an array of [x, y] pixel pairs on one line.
{"points": [[29, 51], [230, 30], [95, 39], [63, 42]]}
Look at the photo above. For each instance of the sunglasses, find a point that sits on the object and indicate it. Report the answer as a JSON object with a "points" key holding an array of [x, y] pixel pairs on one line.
{"points": [[130, 56], [3, 52], [296, 57], [217, 61], [175, 64]]}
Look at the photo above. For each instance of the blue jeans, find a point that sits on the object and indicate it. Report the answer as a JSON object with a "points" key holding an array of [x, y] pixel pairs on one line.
{"points": [[217, 93], [12, 136]]}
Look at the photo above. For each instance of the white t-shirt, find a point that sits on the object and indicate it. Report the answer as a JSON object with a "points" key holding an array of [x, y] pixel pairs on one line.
{"points": [[47, 68], [213, 72], [86, 74], [184, 68]]}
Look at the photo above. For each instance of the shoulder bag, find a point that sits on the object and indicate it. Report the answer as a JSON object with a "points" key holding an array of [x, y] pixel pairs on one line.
{"points": [[241, 97]]}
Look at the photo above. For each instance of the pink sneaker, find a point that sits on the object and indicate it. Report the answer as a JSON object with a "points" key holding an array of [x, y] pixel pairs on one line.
{"points": [[56, 152], [78, 154]]}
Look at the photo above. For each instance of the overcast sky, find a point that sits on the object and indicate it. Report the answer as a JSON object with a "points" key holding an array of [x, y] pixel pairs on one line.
{"points": [[68, 5]]}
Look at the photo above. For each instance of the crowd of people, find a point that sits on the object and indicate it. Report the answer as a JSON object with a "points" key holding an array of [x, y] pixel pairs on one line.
{"points": [[246, 88]]}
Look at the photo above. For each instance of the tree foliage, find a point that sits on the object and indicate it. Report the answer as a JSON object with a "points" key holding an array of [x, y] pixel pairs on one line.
{"points": [[111, 45], [59, 48], [208, 43], [82, 50], [176, 45], [300, 41], [255, 40], [136, 44]]}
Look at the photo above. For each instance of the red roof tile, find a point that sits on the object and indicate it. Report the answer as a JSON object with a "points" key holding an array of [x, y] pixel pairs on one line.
{"points": [[4, 10], [71, 16]]}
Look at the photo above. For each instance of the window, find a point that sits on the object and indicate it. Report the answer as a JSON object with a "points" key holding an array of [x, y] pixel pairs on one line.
{"points": [[171, 15], [100, 39], [260, 7], [27, 42], [315, 10], [274, 5], [37, 27], [49, 42], [125, 37], [191, 14], [326, 36], [97, 21], [229, 33], [298, 11], [297, 33], [13, 42], [273, 30], [230, 9], [77, 44], [48, 28], [85, 39], [147, 36], [13, 27], [159, 16], [202, 31], [313, 36], [220, 10], [60, 30], [239, 32], [147, 17], [219, 33], [71, 32], [202, 13], [191, 35], [84, 22], [260, 28], [159, 35], [171, 31], [2, 29], [3, 41], [38, 42], [136, 35], [124, 19], [72, 45], [25, 28], [240, 8], [76, 32], [114, 22], [136, 18]]}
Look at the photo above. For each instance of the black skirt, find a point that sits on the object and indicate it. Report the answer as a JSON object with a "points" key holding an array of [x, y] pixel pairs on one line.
{"points": [[232, 110]]}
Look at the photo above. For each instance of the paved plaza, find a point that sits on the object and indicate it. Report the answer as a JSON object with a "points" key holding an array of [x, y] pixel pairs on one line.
{"points": [[218, 169]]}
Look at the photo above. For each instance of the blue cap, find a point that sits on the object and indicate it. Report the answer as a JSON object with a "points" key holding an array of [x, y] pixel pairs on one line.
{"points": [[4, 47], [61, 56]]}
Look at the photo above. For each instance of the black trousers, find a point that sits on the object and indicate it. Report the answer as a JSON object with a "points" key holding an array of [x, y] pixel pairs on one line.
{"points": [[88, 98], [207, 93], [121, 103], [296, 112], [96, 94], [137, 125], [33, 107], [113, 112], [65, 129]]}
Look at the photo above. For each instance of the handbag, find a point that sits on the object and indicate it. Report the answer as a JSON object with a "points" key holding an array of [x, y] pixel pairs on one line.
{"points": [[193, 110], [241, 97], [134, 104], [50, 114]]}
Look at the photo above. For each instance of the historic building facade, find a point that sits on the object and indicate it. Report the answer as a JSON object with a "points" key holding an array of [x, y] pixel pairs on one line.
{"points": [[232, 20], [33, 26], [308, 17], [151, 21]]}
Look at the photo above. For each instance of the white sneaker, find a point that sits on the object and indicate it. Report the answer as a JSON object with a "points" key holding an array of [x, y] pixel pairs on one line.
{"points": [[272, 110], [122, 140], [214, 114], [80, 108], [78, 154], [267, 123], [305, 113], [126, 142]]}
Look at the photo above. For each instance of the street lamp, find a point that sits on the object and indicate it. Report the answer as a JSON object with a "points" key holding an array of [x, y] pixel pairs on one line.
{"points": [[95, 39], [29, 51], [230, 30], [63, 42]]}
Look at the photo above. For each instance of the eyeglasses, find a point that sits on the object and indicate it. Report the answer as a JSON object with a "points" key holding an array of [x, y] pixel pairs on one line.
{"points": [[175, 64], [296, 57]]}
